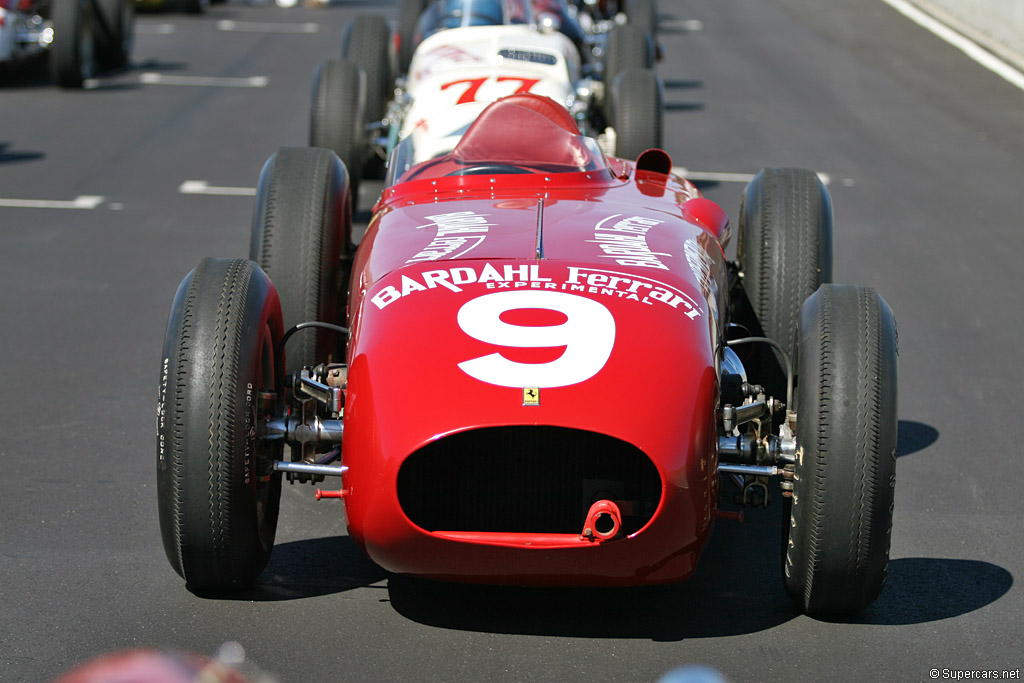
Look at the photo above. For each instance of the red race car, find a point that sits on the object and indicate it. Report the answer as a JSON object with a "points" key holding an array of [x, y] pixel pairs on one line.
{"points": [[545, 368]]}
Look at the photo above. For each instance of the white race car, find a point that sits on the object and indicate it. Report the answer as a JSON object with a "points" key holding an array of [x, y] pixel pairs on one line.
{"points": [[476, 51], [78, 35]]}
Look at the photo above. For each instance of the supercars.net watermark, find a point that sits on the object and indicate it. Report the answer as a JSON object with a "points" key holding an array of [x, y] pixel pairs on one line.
{"points": [[974, 674]]}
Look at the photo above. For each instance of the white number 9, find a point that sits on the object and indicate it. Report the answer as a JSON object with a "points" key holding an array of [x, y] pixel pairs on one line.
{"points": [[588, 336]]}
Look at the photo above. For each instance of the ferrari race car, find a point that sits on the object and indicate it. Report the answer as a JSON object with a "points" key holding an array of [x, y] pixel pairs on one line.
{"points": [[545, 369], [475, 51], [80, 36]]}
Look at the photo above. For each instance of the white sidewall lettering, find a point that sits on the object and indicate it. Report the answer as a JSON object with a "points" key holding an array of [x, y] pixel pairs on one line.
{"points": [[588, 336]]}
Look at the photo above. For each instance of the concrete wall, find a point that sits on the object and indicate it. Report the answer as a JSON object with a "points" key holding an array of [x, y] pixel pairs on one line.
{"points": [[1001, 22]]}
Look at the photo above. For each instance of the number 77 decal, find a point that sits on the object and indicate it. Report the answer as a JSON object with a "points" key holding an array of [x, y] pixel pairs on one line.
{"points": [[473, 85]]}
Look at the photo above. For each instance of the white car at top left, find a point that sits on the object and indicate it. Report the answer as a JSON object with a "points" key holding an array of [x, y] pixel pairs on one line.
{"points": [[79, 37]]}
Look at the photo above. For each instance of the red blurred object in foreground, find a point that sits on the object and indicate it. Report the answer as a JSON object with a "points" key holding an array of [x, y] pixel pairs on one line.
{"points": [[152, 666]]}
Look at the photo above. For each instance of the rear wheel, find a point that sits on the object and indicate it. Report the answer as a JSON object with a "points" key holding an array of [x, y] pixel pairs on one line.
{"points": [[114, 46], [638, 127], [367, 43], [409, 12], [72, 57], [301, 238], [192, 6], [218, 495], [643, 14], [840, 518], [627, 47], [336, 117], [784, 248]]}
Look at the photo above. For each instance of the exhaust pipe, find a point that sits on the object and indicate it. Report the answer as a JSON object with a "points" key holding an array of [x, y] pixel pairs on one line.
{"points": [[604, 522]]}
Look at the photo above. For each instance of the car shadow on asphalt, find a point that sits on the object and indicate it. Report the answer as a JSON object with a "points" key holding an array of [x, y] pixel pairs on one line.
{"points": [[312, 568], [923, 589], [914, 437], [737, 588], [7, 155], [670, 86]]}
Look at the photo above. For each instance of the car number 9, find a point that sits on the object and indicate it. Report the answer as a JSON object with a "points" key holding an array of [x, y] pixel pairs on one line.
{"points": [[588, 335]]}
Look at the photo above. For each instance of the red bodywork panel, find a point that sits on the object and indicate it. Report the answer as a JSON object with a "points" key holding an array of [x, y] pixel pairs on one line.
{"points": [[588, 303]]}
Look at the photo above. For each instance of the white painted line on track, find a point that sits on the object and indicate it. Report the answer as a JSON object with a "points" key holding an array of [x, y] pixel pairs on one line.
{"points": [[713, 177], [143, 29], [150, 78], [681, 24], [85, 201], [727, 177], [962, 43], [266, 27], [203, 187]]}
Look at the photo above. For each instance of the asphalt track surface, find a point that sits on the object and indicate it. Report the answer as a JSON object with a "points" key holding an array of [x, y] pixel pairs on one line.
{"points": [[924, 150]]}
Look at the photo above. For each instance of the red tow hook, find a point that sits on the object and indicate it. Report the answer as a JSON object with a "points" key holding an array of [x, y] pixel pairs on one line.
{"points": [[341, 493], [729, 514], [604, 522]]}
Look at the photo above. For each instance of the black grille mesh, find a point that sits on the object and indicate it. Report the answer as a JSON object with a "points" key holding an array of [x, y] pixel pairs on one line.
{"points": [[530, 479]]}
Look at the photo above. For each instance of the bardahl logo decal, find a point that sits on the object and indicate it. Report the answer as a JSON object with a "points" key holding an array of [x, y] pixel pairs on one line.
{"points": [[432, 60], [610, 283], [700, 263], [454, 231], [626, 241]]}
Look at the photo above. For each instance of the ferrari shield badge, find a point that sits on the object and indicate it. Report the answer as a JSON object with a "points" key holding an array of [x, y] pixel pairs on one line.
{"points": [[531, 396]]}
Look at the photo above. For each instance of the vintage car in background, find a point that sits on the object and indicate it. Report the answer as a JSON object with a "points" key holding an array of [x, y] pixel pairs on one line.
{"points": [[475, 51], [78, 36], [538, 368]]}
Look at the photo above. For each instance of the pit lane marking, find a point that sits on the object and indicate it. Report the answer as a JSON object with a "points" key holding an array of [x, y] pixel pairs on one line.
{"points": [[203, 187], [151, 78], [681, 24], [959, 41], [266, 27], [85, 201], [710, 176], [145, 29]]}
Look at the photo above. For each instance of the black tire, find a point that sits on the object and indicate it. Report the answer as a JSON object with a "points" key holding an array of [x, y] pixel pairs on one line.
{"points": [[218, 496], [191, 6], [336, 116], [784, 248], [301, 232], [627, 47], [367, 42], [638, 127], [73, 55], [114, 45], [409, 12], [643, 14], [842, 506]]}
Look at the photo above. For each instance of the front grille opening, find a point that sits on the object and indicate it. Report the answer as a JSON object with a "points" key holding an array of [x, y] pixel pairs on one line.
{"points": [[526, 479]]}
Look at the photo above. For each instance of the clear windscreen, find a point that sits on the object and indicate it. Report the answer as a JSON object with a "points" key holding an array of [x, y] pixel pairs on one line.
{"points": [[427, 151]]}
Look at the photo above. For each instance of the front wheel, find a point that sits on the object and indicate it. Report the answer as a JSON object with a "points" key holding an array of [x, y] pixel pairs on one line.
{"points": [[840, 518], [218, 494], [73, 55]]}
